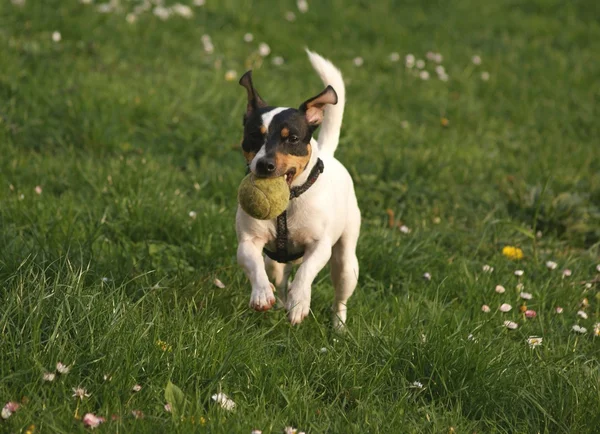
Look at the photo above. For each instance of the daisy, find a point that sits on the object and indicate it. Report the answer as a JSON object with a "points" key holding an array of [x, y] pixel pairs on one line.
{"points": [[161, 12], [218, 283], [302, 6], [90, 420], [526, 296], [424, 75], [444, 77], [530, 313], [505, 307], [409, 60], [136, 388], [256, 431], [487, 269], [56, 36], [420, 64], [511, 325], [80, 393], [598, 268], [597, 329], [427, 276], [485, 76], [558, 310], [168, 408], [290, 16], [520, 286], [62, 369], [193, 214], [582, 314], [230, 76], [48, 376], [566, 272], [534, 341], [551, 265], [476, 60], [394, 57], [38, 189], [405, 229], [485, 308], [438, 58], [579, 329], [439, 70], [500, 289], [263, 49], [416, 385], [358, 61], [199, 2], [278, 61], [519, 273], [248, 37], [224, 401], [183, 10], [130, 18]]}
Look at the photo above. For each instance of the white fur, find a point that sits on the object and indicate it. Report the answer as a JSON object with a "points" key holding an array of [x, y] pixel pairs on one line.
{"points": [[324, 222]]}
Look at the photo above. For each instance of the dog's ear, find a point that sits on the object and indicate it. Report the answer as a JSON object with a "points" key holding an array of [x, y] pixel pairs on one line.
{"points": [[254, 99], [314, 107]]}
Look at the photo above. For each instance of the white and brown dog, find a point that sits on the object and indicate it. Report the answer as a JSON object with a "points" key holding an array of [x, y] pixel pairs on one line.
{"points": [[322, 221]]}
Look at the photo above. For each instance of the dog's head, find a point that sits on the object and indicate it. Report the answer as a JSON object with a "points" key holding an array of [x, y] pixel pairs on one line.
{"points": [[277, 139]]}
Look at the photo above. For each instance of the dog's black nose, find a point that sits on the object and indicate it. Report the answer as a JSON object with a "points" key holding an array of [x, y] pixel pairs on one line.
{"points": [[265, 166]]}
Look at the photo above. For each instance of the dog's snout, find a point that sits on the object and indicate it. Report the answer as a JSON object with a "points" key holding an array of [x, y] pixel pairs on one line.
{"points": [[265, 166]]}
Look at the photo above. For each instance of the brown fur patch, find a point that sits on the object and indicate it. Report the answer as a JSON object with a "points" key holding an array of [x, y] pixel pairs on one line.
{"points": [[263, 129], [285, 162], [249, 156], [285, 132]]}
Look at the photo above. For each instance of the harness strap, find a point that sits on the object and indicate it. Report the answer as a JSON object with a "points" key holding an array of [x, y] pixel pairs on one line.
{"points": [[281, 255]]}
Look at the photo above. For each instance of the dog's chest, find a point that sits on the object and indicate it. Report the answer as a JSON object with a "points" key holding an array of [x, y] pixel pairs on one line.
{"points": [[300, 231]]}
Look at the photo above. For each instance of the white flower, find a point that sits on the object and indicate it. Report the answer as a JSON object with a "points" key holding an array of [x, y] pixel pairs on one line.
{"points": [[231, 75], [551, 265], [199, 2], [558, 310], [161, 12], [136, 388], [18, 2], [416, 385], [404, 125], [420, 64], [218, 283], [105, 8], [485, 76], [438, 58], [62, 369], [263, 49], [476, 60], [440, 70], [430, 55], [358, 61], [582, 314], [405, 229], [256, 431], [505, 307], [277, 61], [427, 276], [598, 268], [183, 10], [49, 376], [578, 329], [107, 377], [56, 36], [526, 295], [566, 273], [302, 6], [207, 44], [472, 338], [248, 37], [38, 189], [131, 18], [597, 329], [80, 393], [511, 325], [444, 77], [409, 60], [193, 215], [485, 308], [6, 413], [85, 2], [224, 401], [92, 421], [290, 16], [290, 430], [394, 57], [534, 341], [500, 289], [424, 75], [487, 269], [520, 286], [519, 273]]}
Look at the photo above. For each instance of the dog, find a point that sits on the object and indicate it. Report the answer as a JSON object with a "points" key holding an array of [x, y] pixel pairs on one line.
{"points": [[322, 221]]}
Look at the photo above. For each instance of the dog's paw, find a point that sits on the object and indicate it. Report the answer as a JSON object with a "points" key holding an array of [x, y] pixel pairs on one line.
{"points": [[262, 299], [298, 306]]}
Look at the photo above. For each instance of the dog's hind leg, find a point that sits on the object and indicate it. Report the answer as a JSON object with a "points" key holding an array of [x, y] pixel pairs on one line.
{"points": [[344, 273], [279, 274]]}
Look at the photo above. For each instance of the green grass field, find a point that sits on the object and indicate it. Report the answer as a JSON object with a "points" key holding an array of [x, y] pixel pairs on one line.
{"points": [[111, 136]]}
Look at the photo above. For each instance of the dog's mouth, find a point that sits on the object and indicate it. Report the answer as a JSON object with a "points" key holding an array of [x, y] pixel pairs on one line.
{"points": [[289, 176]]}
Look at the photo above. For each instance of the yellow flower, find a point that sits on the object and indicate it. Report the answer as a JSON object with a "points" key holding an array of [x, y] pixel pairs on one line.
{"points": [[164, 346], [512, 252]]}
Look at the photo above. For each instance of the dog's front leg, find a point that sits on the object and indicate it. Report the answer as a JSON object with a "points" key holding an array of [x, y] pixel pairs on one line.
{"points": [[250, 257], [298, 298]]}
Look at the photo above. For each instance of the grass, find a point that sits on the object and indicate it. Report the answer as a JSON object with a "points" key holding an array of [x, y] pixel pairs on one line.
{"points": [[129, 127]]}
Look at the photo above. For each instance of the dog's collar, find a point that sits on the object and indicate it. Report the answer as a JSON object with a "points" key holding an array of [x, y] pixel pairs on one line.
{"points": [[281, 254]]}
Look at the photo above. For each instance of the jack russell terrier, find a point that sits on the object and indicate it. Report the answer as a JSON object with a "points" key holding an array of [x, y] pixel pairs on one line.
{"points": [[322, 221]]}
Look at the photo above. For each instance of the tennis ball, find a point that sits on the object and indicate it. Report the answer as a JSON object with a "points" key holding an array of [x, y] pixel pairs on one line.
{"points": [[263, 198]]}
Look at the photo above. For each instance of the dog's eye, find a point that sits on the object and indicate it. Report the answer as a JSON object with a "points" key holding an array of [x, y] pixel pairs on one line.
{"points": [[293, 139]]}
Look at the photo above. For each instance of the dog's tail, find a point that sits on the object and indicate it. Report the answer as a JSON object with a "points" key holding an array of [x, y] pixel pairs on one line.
{"points": [[332, 123]]}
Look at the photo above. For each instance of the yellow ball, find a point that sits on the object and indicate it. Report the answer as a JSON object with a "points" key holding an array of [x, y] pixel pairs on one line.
{"points": [[263, 198]]}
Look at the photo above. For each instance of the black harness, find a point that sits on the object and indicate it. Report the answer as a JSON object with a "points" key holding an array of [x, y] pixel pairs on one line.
{"points": [[281, 254]]}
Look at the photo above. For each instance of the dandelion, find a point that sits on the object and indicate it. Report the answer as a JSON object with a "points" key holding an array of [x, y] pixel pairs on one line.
{"points": [[136, 388], [511, 325], [230, 76], [485, 308], [263, 49], [476, 60], [290, 16], [302, 6], [193, 215], [597, 329], [519, 273], [582, 314], [487, 269], [56, 36], [80, 393], [90, 420], [405, 229], [523, 308], [505, 307], [525, 295], [445, 122], [424, 75], [394, 57], [558, 310], [530, 313], [224, 401], [130, 18], [358, 61], [427, 276], [512, 252], [534, 341], [277, 61], [485, 76], [62, 369], [551, 265], [48, 376], [161, 12], [579, 329], [500, 289], [183, 10], [566, 273], [420, 64]]}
